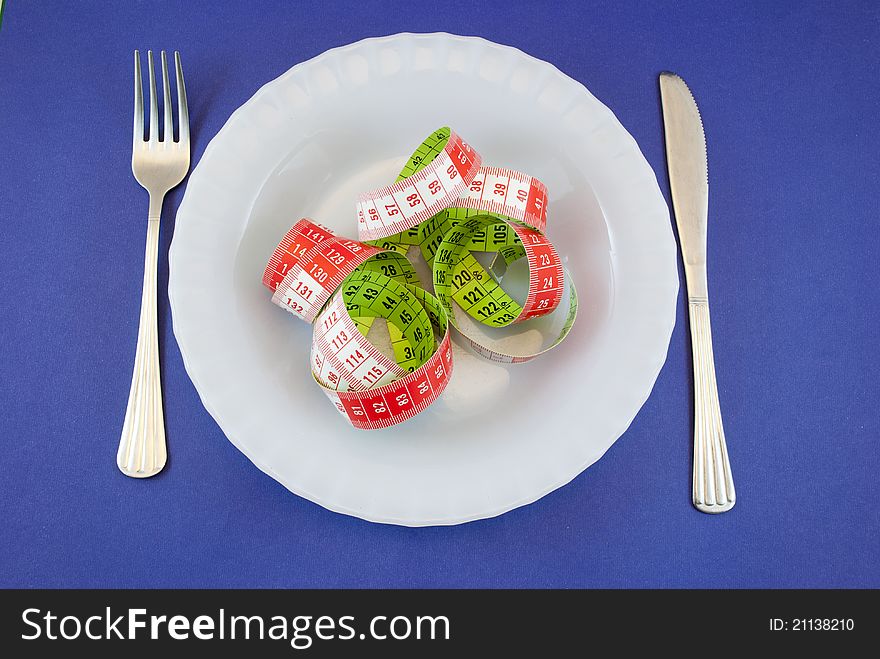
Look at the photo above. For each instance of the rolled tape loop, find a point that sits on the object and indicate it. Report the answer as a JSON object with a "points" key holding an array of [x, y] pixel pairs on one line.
{"points": [[459, 277], [451, 207]]}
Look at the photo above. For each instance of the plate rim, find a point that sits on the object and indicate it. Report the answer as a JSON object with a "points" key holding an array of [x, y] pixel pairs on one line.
{"points": [[369, 515]]}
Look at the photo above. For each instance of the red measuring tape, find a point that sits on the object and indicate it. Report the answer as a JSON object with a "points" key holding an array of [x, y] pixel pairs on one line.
{"points": [[343, 355], [507, 192], [309, 264], [366, 386]]}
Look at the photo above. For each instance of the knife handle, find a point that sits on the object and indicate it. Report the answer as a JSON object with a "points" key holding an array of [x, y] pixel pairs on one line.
{"points": [[713, 481]]}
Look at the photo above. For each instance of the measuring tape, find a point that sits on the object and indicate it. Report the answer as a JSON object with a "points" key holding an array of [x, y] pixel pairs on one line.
{"points": [[367, 387], [444, 166], [309, 264], [450, 207]]}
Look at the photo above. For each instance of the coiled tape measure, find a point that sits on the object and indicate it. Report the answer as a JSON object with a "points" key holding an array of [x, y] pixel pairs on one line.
{"points": [[449, 207]]}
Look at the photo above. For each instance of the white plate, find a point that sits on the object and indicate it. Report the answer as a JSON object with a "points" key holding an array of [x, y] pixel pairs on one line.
{"points": [[344, 122]]}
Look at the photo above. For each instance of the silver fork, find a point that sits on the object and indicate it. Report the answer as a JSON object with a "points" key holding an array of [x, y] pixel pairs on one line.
{"points": [[158, 165]]}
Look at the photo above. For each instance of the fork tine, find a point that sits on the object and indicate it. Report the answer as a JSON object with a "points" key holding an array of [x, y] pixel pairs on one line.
{"points": [[168, 133], [138, 100], [182, 110], [154, 107]]}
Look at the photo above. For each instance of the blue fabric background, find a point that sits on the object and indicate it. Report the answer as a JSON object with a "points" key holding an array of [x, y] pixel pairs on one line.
{"points": [[789, 96]]}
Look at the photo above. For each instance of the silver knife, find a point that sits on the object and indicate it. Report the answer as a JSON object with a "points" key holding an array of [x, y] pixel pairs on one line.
{"points": [[689, 180]]}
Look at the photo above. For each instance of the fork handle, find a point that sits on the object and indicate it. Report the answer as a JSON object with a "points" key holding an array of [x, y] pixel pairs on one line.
{"points": [[713, 481], [142, 452]]}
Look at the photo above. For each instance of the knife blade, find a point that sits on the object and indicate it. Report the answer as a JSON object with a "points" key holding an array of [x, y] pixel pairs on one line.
{"points": [[688, 176], [713, 490]]}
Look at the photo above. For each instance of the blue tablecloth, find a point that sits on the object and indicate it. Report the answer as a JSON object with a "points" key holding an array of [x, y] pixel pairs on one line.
{"points": [[790, 100]]}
